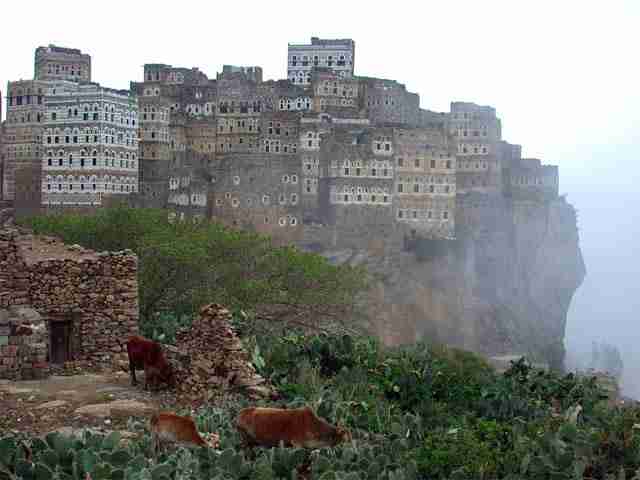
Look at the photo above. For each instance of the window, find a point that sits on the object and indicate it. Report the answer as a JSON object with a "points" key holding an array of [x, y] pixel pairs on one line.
{"points": [[445, 215], [417, 163], [293, 221], [400, 187], [400, 162], [282, 221], [294, 198], [433, 164], [265, 199], [416, 188]]}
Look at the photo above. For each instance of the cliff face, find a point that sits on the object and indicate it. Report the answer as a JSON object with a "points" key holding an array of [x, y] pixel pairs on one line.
{"points": [[504, 286]]}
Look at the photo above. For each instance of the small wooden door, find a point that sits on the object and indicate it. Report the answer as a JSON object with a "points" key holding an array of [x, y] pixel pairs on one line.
{"points": [[60, 333]]}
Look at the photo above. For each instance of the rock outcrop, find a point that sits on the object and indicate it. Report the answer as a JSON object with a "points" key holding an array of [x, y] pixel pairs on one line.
{"points": [[503, 286]]}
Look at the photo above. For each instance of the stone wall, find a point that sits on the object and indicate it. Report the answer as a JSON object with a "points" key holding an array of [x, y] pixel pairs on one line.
{"points": [[23, 344], [88, 299]]}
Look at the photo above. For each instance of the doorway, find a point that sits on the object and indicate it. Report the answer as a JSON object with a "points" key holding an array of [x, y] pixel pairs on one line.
{"points": [[60, 345]]}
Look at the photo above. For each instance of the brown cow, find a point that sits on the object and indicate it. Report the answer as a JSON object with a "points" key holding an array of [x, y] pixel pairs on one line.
{"points": [[147, 354], [169, 427], [299, 427]]}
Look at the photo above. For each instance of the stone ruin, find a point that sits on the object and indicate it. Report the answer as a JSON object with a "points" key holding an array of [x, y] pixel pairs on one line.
{"points": [[210, 359], [62, 304]]}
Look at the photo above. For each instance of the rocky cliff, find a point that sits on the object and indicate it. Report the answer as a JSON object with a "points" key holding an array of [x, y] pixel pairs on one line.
{"points": [[503, 286]]}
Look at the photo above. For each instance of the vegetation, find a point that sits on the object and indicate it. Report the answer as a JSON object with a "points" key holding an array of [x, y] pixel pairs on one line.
{"points": [[416, 412], [184, 265]]}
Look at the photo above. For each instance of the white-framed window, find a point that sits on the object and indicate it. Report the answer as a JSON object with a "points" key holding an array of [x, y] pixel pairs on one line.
{"points": [[282, 221]]}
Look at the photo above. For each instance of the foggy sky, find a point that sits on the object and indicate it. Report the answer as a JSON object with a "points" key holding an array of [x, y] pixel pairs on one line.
{"points": [[563, 77]]}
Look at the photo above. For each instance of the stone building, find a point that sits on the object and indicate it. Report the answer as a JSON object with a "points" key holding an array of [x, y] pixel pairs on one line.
{"points": [[528, 178], [476, 132], [425, 182], [389, 102], [89, 144], [23, 128], [250, 73], [272, 156], [337, 55], [82, 304], [83, 137], [59, 63]]}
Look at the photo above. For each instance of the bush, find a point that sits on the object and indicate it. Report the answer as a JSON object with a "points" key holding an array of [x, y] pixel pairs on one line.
{"points": [[184, 265]]}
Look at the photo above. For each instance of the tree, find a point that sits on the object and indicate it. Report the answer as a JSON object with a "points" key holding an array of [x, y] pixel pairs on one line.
{"points": [[183, 265]]}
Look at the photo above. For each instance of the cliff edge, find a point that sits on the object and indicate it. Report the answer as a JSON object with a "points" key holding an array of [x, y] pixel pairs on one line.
{"points": [[503, 286]]}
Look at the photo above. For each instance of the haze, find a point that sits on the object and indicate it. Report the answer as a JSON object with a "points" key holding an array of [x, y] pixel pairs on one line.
{"points": [[563, 77]]}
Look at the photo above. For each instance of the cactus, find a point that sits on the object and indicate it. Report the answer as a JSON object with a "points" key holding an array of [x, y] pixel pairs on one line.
{"points": [[87, 460], [7, 451], [38, 445], [42, 472], [161, 470], [25, 470], [119, 458], [50, 458], [111, 441]]}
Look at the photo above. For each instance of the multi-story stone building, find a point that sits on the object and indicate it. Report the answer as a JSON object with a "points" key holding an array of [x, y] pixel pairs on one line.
{"points": [[355, 156], [58, 63], [336, 55], [89, 144], [75, 139], [476, 132], [23, 128]]}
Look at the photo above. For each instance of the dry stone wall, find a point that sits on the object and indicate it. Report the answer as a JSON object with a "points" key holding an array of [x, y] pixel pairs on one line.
{"points": [[210, 359], [88, 302]]}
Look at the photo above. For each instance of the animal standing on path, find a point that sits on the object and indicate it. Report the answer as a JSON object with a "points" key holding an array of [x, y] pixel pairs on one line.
{"points": [[299, 427], [147, 354]]}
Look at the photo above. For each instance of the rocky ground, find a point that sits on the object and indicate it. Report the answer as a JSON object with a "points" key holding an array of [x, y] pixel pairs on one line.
{"points": [[105, 402]]}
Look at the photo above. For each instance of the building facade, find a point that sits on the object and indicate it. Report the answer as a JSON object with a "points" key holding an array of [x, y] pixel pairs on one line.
{"points": [[59, 63], [89, 144], [80, 138], [336, 55], [23, 129]]}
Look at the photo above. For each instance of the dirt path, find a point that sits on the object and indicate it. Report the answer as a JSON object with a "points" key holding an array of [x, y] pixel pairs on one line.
{"points": [[89, 400]]}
